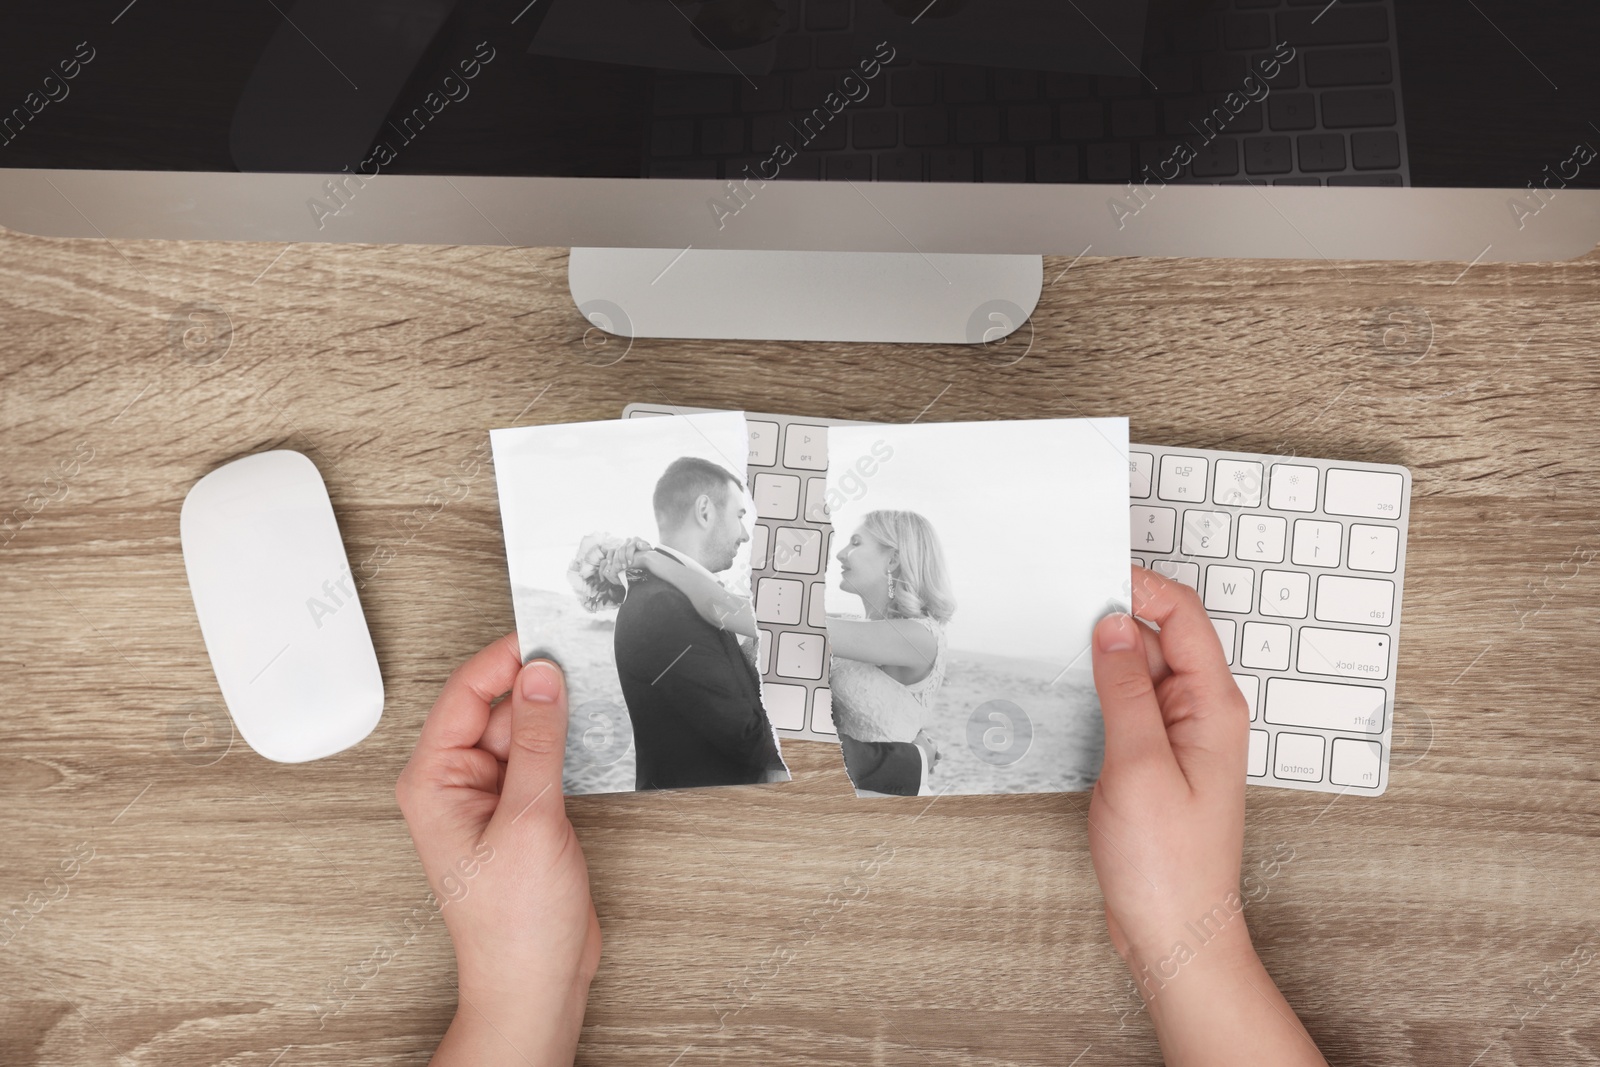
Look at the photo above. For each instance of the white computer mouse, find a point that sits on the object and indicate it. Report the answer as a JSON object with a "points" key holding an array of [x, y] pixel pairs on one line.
{"points": [[278, 608]]}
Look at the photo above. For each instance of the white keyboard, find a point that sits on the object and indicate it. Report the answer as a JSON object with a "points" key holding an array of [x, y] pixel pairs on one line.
{"points": [[1300, 563]]}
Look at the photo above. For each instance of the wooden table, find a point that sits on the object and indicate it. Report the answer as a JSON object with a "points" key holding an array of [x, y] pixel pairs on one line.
{"points": [[225, 910]]}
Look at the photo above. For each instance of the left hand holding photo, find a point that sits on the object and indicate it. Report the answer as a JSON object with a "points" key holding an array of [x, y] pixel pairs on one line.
{"points": [[482, 798]]}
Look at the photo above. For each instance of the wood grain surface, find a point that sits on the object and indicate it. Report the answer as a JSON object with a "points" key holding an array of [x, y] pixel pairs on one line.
{"points": [[233, 911]]}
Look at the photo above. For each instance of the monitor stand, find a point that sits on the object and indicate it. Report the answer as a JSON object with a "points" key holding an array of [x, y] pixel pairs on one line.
{"points": [[761, 295]]}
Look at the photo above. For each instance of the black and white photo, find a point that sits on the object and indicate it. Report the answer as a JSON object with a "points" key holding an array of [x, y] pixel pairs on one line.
{"points": [[970, 564], [628, 545]]}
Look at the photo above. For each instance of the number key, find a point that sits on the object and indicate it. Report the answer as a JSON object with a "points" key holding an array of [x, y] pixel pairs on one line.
{"points": [[1205, 533], [1261, 538], [1316, 543]]}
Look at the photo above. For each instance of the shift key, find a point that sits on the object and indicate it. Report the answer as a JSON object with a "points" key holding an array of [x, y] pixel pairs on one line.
{"points": [[1325, 705]]}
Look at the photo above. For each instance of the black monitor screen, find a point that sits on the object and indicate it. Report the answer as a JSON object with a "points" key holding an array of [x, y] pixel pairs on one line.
{"points": [[1470, 93]]}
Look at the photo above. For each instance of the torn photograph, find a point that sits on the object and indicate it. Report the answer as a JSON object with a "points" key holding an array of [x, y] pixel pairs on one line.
{"points": [[971, 563], [628, 546]]}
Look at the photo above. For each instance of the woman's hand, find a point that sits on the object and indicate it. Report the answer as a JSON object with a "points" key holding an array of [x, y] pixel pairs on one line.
{"points": [[1166, 832], [482, 799]]}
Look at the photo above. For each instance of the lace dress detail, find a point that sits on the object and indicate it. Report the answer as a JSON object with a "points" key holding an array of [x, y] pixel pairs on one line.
{"points": [[868, 705]]}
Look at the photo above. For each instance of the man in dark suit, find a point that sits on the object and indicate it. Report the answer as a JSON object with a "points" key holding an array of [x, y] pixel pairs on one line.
{"points": [[692, 691]]}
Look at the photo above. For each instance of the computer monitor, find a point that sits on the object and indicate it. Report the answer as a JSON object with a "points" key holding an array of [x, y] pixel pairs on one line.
{"points": [[853, 169]]}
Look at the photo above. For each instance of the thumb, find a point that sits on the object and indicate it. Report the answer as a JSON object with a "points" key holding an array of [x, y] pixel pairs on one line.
{"points": [[538, 743], [1136, 734]]}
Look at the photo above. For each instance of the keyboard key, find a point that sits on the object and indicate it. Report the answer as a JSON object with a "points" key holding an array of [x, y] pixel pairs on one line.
{"points": [[827, 14], [1268, 155], [1375, 150], [911, 88], [950, 165], [1230, 589], [764, 652], [1028, 122], [1134, 119], [794, 52], [758, 546], [797, 550], [763, 443], [1179, 571], [1292, 111], [1140, 465], [778, 600], [1226, 629], [1356, 763], [777, 496], [1266, 645], [800, 654], [965, 85], [1343, 653], [1238, 483], [1005, 163], [822, 711], [874, 129], [1369, 494], [835, 51], [1316, 543], [1055, 163], [816, 500], [1205, 533], [722, 136], [1258, 753], [672, 137], [1137, 561], [785, 704], [926, 126], [1182, 478], [1349, 66], [1218, 158], [1083, 120], [1299, 758], [1059, 85], [1152, 528], [1344, 108], [806, 447], [905, 166], [1335, 24], [1015, 84], [1292, 488], [1285, 594], [1363, 601], [977, 125], [1374, 548], [1324, 705], [762, 93], [1110, 161], [1240, 31], [1250, 687], [816, 607], [1261, 538], [1321, 151]]}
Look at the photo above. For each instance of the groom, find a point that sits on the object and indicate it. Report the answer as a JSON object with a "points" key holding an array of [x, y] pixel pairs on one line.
{"points": [[692, 693]]}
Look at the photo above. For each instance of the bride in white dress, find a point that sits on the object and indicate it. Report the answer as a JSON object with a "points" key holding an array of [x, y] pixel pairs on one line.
{"points": [[887, 666]]}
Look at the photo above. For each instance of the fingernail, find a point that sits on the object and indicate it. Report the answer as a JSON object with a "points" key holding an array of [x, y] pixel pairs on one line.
{"points": [[1116, 633], [541, 682]]}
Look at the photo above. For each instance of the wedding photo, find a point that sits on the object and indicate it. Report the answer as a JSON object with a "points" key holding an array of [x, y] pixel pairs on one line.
{"points": [[971, 563], [628, 546]]}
